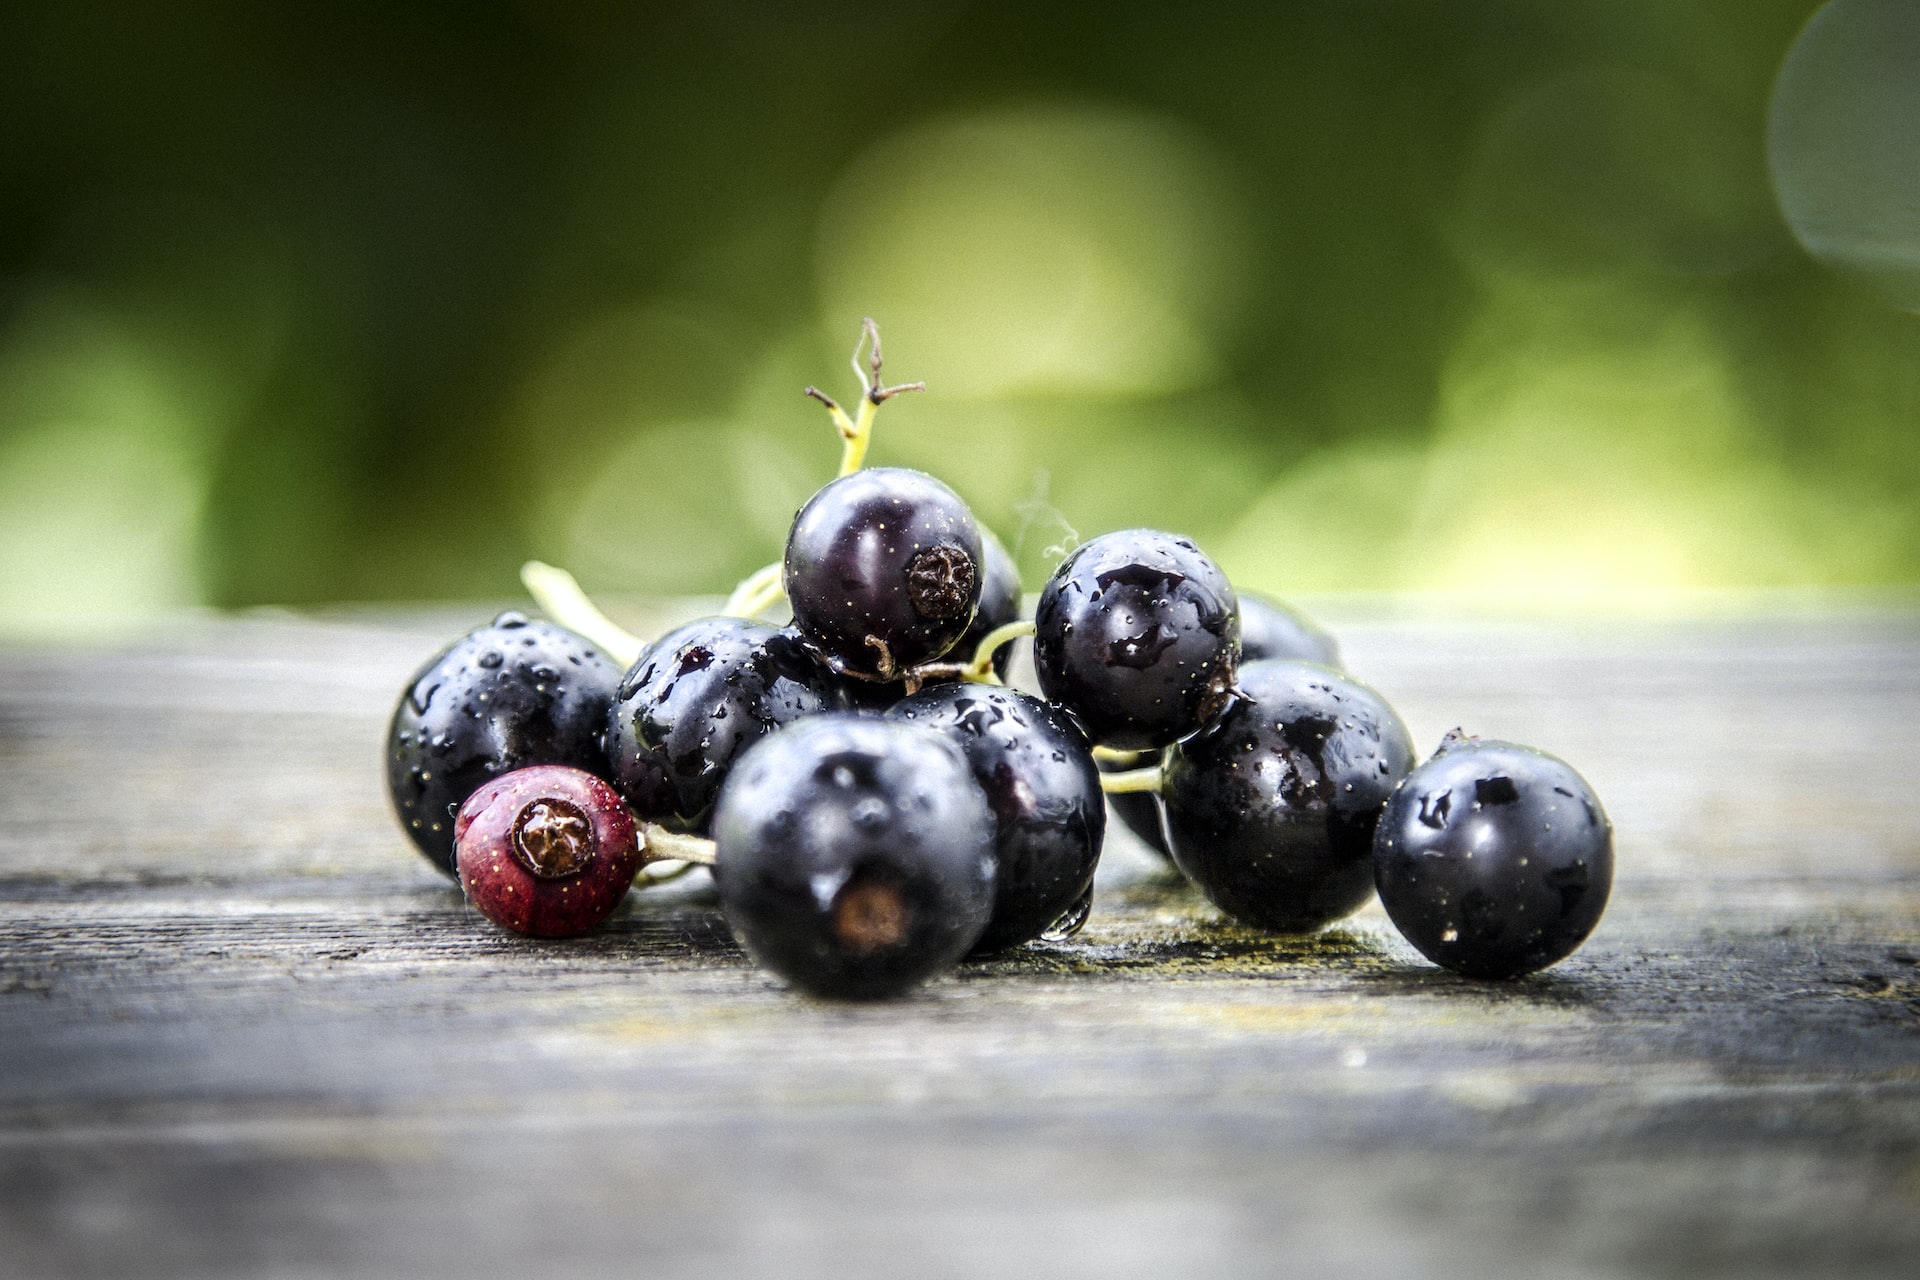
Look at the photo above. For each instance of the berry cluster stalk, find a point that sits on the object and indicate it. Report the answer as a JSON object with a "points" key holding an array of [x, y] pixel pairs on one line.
{"points": [[857, 431], [560, 598]]}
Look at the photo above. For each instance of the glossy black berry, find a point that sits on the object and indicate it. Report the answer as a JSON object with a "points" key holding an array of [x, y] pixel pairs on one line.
{"points": [[1272, 807], [1271, 628], [1138, 635], [1494, 859], [1037, 771], [694, 700], [511, 694], [884, 571], [854, 854]]}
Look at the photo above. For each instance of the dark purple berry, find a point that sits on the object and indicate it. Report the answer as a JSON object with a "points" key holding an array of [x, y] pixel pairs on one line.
{"points": [[1038, 774], [1271, 808], [511, 694], [546, 851], [1494, 859], [883, 570], [854, 854], [1138, 635], [694, 700]]}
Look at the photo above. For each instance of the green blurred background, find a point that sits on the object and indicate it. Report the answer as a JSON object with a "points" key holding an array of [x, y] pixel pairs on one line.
{"points": [[360, 301]]}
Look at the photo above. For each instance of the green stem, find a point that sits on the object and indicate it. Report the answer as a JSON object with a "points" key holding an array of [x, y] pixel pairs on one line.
{"points": [[981, 668], [662, 872], [756, 593], [662, 845], [561, 598], [1147, 779], [856, 432], [855, 436], [1114, 755]]}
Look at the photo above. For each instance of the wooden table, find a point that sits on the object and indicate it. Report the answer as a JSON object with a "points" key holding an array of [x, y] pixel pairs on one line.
{"points": [[244, 1030]]}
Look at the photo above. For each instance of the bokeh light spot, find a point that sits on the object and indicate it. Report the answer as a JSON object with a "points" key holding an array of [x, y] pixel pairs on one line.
{"points": [[1042, 249], [664, 514], [1595, 451], [103, 473], [1843, 142], [97, 525]]}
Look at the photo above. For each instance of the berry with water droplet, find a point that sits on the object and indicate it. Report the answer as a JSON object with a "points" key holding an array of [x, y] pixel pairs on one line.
{"points": [[854, 854], [1269, 628], [694, 700], [510, 694], [883, 570], [1038, 774], [1138, 635], [1494, 859], [1271, 808]]}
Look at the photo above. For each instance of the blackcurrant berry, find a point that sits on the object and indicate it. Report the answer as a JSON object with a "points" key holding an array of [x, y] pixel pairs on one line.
{"points": [[1271, 808], [1494, 859], [854, 854], [883, 570], [694, 700], [1138, 635], [1038, 774], [1271, 628], [546, 851], [508, 695]]}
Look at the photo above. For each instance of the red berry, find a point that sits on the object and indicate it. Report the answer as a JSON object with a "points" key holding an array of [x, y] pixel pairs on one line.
{"points": [[547, 851]]}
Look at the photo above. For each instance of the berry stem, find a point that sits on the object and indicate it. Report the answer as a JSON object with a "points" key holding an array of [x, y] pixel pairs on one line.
{"points": [[981, 668], [1147, 779], [561, 598], [978, 668], [1114, 755], [757, 592], [657, 844], [663, 872], [856, 432]]}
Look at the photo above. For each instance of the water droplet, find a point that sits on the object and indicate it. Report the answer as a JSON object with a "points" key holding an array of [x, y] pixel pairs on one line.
{"points": [[1070, 921]]}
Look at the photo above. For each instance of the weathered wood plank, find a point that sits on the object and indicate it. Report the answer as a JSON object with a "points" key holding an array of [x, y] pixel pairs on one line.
{"points": [[244, 1030]]}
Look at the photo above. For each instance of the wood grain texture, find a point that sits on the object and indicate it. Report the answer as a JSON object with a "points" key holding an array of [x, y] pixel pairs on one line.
{"points": [[244, 1030]]}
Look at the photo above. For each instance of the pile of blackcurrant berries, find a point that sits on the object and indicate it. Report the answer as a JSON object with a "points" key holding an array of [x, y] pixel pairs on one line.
{"points": [[876, 804]]}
